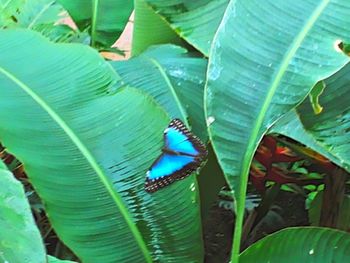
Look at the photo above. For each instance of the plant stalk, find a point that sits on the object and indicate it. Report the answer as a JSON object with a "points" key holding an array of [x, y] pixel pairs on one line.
{"points": [[333, 197]]}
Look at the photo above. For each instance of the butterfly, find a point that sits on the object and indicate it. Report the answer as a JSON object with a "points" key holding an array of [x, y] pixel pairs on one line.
{"points": [[182, 154]]}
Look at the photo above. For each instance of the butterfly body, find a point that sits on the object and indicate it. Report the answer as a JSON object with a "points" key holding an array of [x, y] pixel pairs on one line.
{"points": [[182, 154], [169, 151]]}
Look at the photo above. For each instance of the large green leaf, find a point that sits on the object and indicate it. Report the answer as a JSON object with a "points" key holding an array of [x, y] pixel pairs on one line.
{"points": [[303, 244], [264, 61], [86, 145], [39, 15], [20, 240], [106, 19], [328, 132], [174, 78], [195, 21]]}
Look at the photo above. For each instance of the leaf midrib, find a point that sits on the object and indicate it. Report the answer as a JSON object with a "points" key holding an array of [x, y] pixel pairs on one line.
{"points": [[248, 155], [39, 14], [277, 80], [95, 5], [280, 73], [90, 159], [172, 90]]}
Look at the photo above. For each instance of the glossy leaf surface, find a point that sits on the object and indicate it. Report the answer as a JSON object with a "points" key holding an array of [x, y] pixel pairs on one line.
{"points": [[243, 101], [86, 145], [303, 244], [174, 78]]}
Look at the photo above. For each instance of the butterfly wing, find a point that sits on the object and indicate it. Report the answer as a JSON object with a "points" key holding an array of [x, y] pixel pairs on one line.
{"points": [[179, 139], [168, 168]]}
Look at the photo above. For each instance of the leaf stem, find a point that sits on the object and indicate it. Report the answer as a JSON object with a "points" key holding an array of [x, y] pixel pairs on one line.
{"points": [[94, 22]]}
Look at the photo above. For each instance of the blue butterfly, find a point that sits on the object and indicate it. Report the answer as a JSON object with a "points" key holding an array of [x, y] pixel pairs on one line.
{"points": [[182, 154]]}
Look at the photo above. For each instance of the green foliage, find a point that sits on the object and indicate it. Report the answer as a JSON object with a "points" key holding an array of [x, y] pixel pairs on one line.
{"points": [[43, 16], [19, 237], [239, 118], [195, 21], [251, 114], [327, 132], [51, 259], [174, 78], [104, 19], [301, 244], [28, 14]]}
